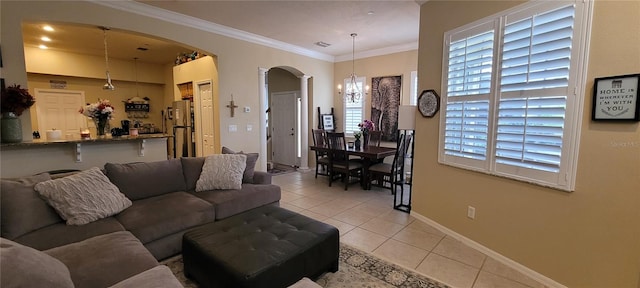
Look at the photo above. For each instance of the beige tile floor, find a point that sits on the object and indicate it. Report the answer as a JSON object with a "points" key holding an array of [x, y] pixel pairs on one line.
{"points": [[367, 220]]}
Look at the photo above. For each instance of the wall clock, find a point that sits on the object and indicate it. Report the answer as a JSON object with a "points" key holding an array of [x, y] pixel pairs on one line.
{"points": [[429, 103]]}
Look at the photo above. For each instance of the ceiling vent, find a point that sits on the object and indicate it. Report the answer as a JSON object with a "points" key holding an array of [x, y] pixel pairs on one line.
{"points": [[322, 44]]}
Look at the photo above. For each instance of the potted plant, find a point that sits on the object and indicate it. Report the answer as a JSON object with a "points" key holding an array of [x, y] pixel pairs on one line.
{"points": [[13, 103]]}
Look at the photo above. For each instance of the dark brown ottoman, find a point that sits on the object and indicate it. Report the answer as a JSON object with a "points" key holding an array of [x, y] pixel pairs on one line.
{"points": [[265, 247]]}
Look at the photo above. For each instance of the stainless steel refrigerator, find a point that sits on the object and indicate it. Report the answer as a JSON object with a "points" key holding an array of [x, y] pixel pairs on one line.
{"points": [[184, 144]]}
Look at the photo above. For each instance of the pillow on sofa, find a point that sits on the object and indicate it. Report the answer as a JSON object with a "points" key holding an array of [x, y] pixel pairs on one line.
{"points": [[24, 266], [222, 171], [252, 158], [18, 196], [192, 168], [147, 179], [83, 197]]}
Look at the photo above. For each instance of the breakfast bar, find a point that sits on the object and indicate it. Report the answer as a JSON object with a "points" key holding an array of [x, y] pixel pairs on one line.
{"points": [[36, 156]]}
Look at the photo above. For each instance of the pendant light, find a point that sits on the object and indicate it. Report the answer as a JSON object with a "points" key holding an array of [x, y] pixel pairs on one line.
{"points": [[108, 85], [135, 61], [353, 94]]}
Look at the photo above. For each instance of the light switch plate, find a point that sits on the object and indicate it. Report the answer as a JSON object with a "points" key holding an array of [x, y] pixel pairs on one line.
{"points": [[249, 127], [233, 128]]}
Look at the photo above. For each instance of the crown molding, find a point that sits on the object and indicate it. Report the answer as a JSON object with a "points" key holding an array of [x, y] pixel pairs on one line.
{"points": [[196, 23], [379, 52]]}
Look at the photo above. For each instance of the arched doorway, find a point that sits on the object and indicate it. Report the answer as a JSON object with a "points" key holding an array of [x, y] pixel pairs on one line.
{"points": [[284, 123]]}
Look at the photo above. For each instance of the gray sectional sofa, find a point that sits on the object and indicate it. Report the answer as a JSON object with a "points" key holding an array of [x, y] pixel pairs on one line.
{"points": [[122, 249]]}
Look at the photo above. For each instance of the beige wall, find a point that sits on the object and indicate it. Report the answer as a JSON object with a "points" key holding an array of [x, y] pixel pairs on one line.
{"points": [[387, 65], [238, 61], [588, 238]]}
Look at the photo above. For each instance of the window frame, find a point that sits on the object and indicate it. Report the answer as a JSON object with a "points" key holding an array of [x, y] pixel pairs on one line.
{"points": [[564, 179], [359, 80]]}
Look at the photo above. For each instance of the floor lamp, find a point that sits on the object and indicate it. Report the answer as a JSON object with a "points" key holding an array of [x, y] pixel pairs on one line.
{"points": [[406, 124]]}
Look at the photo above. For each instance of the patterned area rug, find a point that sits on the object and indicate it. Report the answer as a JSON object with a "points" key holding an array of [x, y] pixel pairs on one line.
{"points": [[357, 269]]}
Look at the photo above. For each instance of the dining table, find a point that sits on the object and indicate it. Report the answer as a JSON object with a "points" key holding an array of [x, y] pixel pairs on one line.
{"points": [[369, 155]]}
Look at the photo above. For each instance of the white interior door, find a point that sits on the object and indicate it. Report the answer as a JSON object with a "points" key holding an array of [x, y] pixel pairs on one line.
{"points": [[58, 109], [284, 127], [205, 123]]}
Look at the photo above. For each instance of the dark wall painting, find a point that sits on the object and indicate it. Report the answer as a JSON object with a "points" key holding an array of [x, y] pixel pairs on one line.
{"points": [[385, 102]]}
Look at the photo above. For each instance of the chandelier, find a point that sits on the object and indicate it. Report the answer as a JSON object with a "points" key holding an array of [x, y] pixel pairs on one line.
{"points": [[352, 93], [108, 85]]}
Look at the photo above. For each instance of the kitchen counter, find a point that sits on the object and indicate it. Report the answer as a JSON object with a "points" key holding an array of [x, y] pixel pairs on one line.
{"points": [[108, 138], [40, 155]]}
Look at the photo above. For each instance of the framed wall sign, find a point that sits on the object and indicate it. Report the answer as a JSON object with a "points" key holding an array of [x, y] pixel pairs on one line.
{"points": [[327, 122], [616, 98]]}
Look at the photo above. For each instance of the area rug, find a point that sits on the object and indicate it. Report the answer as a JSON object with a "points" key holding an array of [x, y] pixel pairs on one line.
{"points": [[357, 269]]}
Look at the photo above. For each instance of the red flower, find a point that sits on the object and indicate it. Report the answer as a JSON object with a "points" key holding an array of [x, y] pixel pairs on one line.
{"points": [[16, 100]]}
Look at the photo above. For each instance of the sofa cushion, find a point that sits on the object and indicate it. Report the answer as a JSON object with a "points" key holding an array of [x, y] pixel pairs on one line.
{"points": [[143, 180], [83, 197], [192, 168], [222, 172], [252, 158], [159, 276], [23, 266], [153, 218], [104, 260], [231, 202], [62, 234], [18, 196]]}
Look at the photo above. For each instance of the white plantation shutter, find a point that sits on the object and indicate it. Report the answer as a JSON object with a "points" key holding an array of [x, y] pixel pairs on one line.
{"points": [[536, 58], [470, 62], [353, 112], [519, 118]]}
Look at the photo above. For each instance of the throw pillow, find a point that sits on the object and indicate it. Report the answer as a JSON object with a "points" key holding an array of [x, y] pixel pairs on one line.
{"points": [[24, 266], [18, 196], [249, 171], [83, 197], [222, 171], [147, 179]]}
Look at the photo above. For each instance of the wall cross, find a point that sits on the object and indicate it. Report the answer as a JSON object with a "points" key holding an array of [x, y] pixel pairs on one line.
{"points": [[232, 106]]}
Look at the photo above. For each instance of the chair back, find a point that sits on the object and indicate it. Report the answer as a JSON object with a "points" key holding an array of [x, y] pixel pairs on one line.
{"points": [[397, 168], [375, 137], [319, 138], [337, 144]]}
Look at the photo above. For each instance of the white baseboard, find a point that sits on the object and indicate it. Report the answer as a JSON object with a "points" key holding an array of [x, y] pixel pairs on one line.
{"points": [[493, 254]]}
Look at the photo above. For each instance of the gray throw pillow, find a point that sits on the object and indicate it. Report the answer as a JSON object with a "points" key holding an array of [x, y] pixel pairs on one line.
{"points": [[24, 266], [249, 171], [222, 171], [83, 197], [18, 196]]}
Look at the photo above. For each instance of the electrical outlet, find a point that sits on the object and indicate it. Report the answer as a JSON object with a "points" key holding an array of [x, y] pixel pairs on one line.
{"points": [[471, 212]]}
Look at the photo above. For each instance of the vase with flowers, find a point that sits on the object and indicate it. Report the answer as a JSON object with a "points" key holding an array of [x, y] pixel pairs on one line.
{"points": [[366, 126], [100, 112], [13, 103]]}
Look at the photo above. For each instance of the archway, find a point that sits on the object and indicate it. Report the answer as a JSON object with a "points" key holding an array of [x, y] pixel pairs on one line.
{"points": [[267, 87]]}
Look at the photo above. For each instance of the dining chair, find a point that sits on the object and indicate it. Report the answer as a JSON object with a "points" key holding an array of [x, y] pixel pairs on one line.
{"points": [[322, 157], [375, 137], [339, 162], [392, 174]]}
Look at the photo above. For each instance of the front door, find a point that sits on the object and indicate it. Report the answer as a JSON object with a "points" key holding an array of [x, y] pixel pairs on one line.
{"points": [[284, 127], [58, 109]]}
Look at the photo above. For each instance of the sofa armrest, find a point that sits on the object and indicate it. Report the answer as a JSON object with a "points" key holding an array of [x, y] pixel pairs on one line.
{"points": [[261, 177]]}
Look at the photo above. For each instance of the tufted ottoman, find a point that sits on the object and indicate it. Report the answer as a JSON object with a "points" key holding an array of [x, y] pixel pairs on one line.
{"points": [[265, 247]]}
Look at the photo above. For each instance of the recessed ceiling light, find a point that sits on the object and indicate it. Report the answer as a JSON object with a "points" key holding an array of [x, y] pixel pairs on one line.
{"points": [[42, 46], [371, 13], [45, 38], [47, 28]]}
